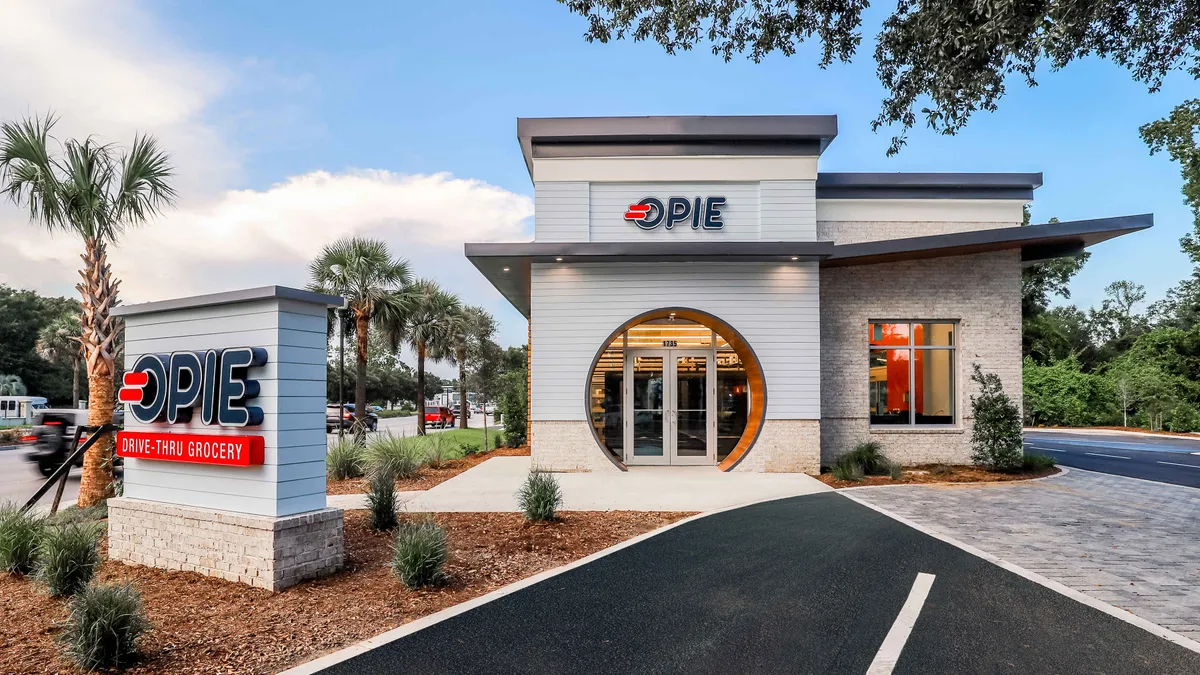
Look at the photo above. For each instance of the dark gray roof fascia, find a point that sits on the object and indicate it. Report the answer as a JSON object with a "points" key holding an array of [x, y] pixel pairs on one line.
{"points": [[684, 134], [228, 297], [1036, 242], [927, 185]]}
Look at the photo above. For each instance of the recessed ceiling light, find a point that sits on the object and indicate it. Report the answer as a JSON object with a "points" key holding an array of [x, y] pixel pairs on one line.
{"points": [[505, 269], [559, 259], [795, 257]]}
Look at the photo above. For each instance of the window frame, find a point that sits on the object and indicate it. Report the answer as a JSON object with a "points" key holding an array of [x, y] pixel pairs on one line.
{"points": [[912, 348]]}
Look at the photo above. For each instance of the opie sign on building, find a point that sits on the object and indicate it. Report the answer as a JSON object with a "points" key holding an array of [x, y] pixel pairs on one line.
{"points": [[224, 438]]}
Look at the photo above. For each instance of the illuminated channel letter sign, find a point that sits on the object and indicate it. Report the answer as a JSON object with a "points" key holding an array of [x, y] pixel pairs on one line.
{"points": [[703, 213], [169, 387]]}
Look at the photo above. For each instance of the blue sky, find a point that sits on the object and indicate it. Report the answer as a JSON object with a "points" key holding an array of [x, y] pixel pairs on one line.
{"points": [[422, 88]]}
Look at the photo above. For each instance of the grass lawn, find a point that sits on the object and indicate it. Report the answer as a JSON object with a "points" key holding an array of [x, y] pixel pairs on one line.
{"points": [[456, 438]]}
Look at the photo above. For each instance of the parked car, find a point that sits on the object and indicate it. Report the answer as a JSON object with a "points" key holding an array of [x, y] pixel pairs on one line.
{"points": [[345, 418], [439, 416], [454, 411], [52, 433], [490, 408]]}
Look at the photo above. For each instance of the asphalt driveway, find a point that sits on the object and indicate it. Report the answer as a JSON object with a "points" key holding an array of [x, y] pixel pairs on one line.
{"points": [[808, 584]]}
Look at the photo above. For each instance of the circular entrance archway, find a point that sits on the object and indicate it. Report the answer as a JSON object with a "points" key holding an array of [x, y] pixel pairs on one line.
{"points": [[665, 353]]}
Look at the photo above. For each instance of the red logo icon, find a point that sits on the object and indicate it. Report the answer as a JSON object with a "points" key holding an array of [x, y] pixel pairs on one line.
{"points": [[637, 212], [134, 382]]}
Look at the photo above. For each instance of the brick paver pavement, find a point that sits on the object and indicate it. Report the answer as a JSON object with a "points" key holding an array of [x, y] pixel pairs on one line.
{"points": [[1131, 543]]}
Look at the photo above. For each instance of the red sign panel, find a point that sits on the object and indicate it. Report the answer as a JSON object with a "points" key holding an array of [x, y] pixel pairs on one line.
{"points": [[196, 448]]}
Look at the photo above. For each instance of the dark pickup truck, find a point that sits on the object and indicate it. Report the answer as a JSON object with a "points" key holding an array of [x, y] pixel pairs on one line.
{"points": [[52, 433]]}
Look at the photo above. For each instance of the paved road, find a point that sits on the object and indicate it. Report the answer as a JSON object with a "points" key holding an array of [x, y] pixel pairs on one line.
{"points": [[19, 479], [809, 584], [1165, 459]]}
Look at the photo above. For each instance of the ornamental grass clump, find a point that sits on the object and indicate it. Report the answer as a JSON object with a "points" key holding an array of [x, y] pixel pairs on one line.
{"points": [[996, 435], [397, 455], [19, 535], [67, 557], [345, 459], [866, 459], [420, 553], [540, 496], [104, 625], [381, 500], [1037, 462]]}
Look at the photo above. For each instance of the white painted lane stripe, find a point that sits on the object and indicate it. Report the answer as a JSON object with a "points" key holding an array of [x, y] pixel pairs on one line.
{"points": [[1034, 447], [1196, 453], [1056, 586], [893, 644], [1190, 466], [1101, 454]]}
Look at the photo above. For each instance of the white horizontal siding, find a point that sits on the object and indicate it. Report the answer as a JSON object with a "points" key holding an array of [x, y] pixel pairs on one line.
{"points": [[292, 399], [560, 211], [610, 201], [774, 306], [788, 210]]}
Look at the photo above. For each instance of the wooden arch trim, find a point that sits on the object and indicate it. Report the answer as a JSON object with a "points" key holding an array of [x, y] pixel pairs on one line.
{"points": [[755, 379]]}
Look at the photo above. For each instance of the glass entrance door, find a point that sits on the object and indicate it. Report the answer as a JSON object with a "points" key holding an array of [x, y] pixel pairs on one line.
{"points": [[645, 428], [671, 416], [692, 428]]}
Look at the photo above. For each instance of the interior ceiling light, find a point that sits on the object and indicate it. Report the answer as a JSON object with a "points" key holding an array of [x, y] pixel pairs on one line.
{"points": [[795, 257], [505, 269], [559, 259]]}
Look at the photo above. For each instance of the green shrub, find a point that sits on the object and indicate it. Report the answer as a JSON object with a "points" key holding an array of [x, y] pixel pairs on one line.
{"points": [[419, 553], [381, 501], [941, 470], [540, 496], [104, 625], [866, 459], [847, 468], [345, 459], [95, 513], [468, 449], [19, 535], [436, 450], [67, 557], [512, 405], [399, 456], [996, 441], [894, 471], [1037, 462]]}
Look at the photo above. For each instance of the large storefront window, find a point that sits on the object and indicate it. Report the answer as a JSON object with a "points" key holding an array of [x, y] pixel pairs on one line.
{"points": [[911, 373]]}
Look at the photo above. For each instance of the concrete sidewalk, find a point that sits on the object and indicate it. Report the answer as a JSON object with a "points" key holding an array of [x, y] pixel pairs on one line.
{"points": [[493, 486]]}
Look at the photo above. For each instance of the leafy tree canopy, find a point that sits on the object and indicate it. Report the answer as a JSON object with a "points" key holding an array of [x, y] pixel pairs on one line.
{"points": [[946, 57]]}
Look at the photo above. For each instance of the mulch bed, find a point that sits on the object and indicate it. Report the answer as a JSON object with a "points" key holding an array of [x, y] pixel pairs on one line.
{"points": [[429, 476], [938, 473], [206, 625]]}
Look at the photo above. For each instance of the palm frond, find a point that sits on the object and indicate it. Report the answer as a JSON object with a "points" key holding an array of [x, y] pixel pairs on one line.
{"points": [[145, 188], [27, 172]]}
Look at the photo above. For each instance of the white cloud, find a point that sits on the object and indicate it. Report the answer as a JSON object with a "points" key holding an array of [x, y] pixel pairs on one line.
{"points": [[111, 69]]}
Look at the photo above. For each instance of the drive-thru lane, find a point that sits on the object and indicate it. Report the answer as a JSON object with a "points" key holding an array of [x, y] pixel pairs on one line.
{"points": [[1166, 459], [809, 584]]}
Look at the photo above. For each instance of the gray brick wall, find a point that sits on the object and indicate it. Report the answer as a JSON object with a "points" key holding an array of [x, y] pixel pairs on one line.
{"points": [[566, 446], [854, 232], [260, 551], [785, 446], [982, 292]]}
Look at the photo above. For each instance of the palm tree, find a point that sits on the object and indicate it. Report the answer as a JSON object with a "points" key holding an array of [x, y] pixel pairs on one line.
{"points": [[469, 329], [94, 191], [426, 327], [59, 341], [363, 272], [11, 385]]}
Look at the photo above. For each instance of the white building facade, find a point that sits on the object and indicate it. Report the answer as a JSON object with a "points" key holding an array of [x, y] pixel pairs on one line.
{"points": [[699, 293]]}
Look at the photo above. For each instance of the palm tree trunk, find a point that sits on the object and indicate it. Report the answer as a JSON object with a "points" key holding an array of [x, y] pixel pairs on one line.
{"points": [[361, 327], [461, 357], [98, 337], [75, 381], [420, 388]]}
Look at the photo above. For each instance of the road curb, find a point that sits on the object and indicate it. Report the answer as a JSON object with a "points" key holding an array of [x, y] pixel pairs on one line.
{"points": [[1058, 587]]}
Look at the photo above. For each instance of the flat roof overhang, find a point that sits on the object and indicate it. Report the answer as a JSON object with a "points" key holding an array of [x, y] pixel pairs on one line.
{"points": [[508, 265], [675, 135]]}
